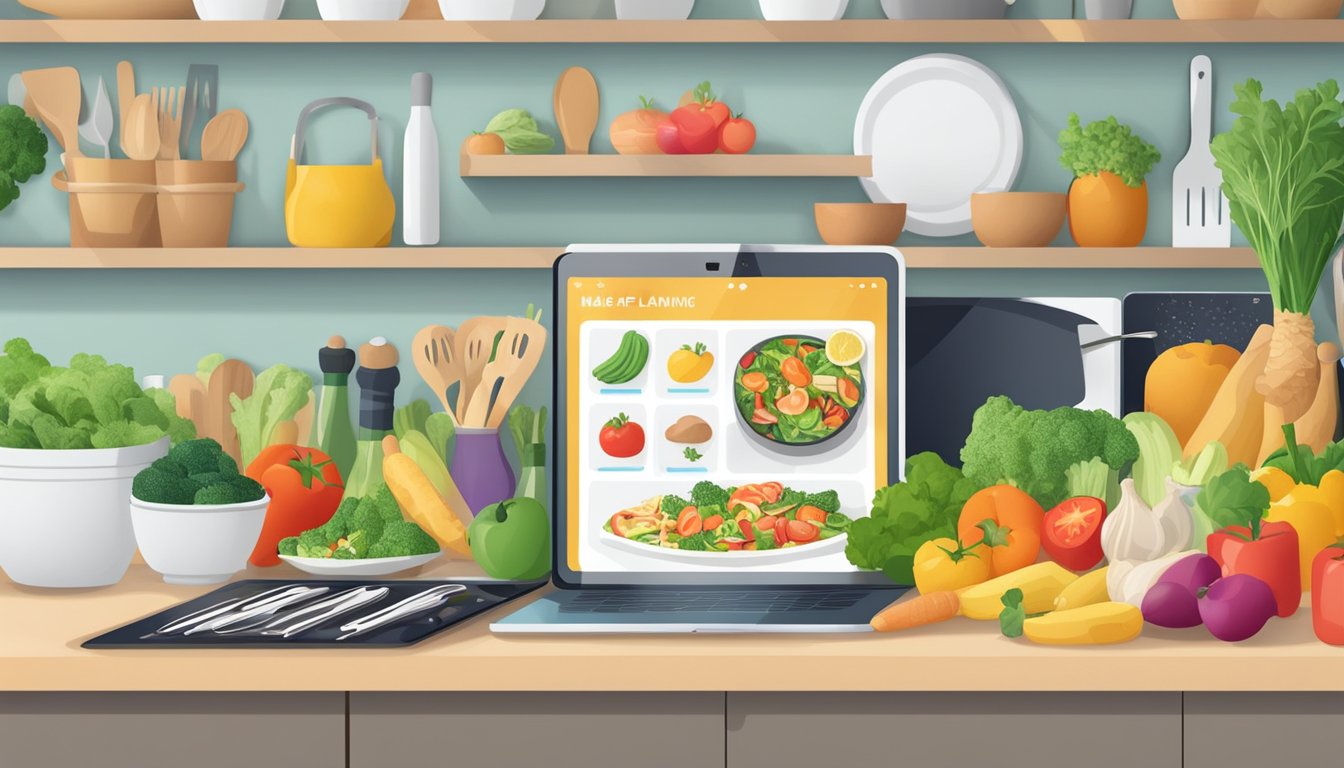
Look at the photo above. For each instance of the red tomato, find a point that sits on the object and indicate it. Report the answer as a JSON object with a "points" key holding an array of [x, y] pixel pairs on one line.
{"points": [[802, 532], [688, 522], [621, 438], [747, 360], [737, 136], [782, 530], [695, 132], [748, 530], [1072, 533], [305, 489], [669, 139]]}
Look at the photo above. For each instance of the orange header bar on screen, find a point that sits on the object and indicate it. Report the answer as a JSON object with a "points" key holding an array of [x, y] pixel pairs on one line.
{"points": [[788, 300]]}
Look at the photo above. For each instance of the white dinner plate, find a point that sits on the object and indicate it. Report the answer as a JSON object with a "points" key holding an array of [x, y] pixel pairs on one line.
{"points": [[742, 558], [939, 128], [380, 566]]}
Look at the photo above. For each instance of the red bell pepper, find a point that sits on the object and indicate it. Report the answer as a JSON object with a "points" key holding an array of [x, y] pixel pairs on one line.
{"points": [[305, 489], [1327, 595], [1272, 558]]}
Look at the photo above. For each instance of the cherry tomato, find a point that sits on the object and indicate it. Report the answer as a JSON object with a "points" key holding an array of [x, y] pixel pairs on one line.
{"points": [[782, 530], [802, 532], [737, 136], [1072, 533], [748, 530], [688, 522], [621, 438], [747, 360]]}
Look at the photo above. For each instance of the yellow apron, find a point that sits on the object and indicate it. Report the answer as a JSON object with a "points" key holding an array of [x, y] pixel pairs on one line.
{"points": [[337, 206]]}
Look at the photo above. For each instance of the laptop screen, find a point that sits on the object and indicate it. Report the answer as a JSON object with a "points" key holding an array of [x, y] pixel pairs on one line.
{"points": [[722, 424]]}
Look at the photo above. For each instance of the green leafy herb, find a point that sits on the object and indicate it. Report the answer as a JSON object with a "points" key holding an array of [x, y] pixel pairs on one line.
{"points": [[1283, 174], [1232, 498], [1106, 146], [692, 455], [279, 393], [23, 152], [923, 507], [1014, 614]]}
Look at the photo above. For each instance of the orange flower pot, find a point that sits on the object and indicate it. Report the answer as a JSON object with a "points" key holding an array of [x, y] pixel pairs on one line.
{"points": [[1104, 212]]}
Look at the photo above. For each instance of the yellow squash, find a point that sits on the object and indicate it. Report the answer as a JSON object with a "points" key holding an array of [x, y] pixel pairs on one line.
{"points": [[1040, 584], [418, 498], [1097, 624], [1089, 589]]}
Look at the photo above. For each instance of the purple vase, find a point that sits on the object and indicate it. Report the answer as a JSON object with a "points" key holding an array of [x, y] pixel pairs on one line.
{"points": [[481, 470]]}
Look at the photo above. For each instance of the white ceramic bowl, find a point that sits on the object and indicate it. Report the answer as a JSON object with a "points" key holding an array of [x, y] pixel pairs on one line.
{"points": [[803, 10], [378, 566], [63, 515], [654, 10], [239, 10], [362, 10], [491, 10], [203, 544]]}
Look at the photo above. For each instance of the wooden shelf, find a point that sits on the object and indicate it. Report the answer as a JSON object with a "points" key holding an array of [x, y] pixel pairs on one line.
{"points": [[543, 258], [278, 258], [516, 166], [701, 31]]}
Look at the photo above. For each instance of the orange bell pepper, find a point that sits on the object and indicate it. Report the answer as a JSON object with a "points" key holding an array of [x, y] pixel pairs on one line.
{"points": [[1008, 508]]}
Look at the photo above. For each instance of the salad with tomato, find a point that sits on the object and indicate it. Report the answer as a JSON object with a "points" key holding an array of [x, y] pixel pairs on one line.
{"points": [[789, 390], [747, 518]]}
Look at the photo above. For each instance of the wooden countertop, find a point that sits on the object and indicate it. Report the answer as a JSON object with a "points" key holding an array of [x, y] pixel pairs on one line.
{"points": [[41, 632]]}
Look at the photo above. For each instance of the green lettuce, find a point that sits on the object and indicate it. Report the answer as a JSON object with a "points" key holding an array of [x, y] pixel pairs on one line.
{"points": [[279, 393]]}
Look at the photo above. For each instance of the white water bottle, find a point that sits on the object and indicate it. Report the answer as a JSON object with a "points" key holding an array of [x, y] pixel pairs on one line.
{"points": [[420, 172]]}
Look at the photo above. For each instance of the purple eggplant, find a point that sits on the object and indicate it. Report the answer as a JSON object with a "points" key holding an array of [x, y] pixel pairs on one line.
{"points": [[1173, 601], [1237, 607]]}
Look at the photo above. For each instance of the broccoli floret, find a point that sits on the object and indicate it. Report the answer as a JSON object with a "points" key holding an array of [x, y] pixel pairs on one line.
{"points": [[159, 487], [314, 543], [227, 466], [386, 504], [707, 494], [700, 542], [248, 489], [671, 506], [200, 455], [219, 493], [1033, 450], [343, 554], [826, 501], [23, 152], [209, 478], [355, 546], [403, 539], [168, 466], [340, 523], [368, 518], [289, 546]]}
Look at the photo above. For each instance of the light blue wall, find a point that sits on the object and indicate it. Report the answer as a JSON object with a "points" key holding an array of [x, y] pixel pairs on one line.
{"points": [[803, 98]]}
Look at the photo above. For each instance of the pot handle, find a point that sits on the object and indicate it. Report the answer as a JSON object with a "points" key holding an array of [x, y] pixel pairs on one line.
{"points": [[296, 145]]}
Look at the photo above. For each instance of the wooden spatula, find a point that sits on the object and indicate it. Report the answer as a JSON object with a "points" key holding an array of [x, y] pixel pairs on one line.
{"points": [[125, 97], [436, 359], [55, 94], [232, 377], [576, 109], [475, 342], [521, 348]]}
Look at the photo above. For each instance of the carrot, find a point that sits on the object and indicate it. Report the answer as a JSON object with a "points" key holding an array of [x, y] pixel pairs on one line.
{"points": [[1292, 372], [1316, 428], [921, 611]]}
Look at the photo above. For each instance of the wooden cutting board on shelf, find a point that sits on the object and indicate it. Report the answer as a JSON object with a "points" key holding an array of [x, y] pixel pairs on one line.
{"points": [[232, 377]]}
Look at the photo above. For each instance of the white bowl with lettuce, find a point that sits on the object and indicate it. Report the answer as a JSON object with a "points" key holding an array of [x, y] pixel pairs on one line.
{"points": [[71, 441]]}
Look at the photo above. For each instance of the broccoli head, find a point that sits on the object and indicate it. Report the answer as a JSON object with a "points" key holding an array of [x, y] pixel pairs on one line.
{"points": [[227, 466], [23, 152], [200, 455], [289, 546], [707, 494], [235, 490], [1033, 450], [826, 501], [162, 487], [169, 466], [369, 519], [671, 506], [403, 539], [250, 489]]}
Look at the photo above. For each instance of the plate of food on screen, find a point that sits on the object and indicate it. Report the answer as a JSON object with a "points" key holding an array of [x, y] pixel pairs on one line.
{"points": [[744, 525], [800, 390]]}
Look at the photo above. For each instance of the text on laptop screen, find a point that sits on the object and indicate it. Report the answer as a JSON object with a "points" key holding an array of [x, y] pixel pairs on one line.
{"points": [[723, 424]]}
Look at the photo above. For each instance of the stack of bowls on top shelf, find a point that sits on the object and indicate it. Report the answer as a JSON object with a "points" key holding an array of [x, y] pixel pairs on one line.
{"points": [[491, 10], [803, 10]]}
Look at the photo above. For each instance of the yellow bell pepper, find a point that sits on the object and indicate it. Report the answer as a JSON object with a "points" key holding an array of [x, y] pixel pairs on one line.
{"points": [[1313, 521], [943, 565], [1332, 491], [1279, 482]]}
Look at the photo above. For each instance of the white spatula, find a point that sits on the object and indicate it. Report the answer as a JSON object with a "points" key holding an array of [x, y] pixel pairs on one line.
{"points": [[1199, 215]]}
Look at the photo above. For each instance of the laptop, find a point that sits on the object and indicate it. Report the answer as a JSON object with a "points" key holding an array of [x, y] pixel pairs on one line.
{"points": [[723, 415]]}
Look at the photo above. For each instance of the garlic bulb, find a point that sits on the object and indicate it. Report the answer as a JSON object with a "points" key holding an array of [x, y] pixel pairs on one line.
{"points": [[1129, 581], [1177, 521], [1133, 531]]}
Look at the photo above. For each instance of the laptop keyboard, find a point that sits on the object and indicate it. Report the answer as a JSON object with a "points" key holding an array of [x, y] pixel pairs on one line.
{"points": [[657, 601]]}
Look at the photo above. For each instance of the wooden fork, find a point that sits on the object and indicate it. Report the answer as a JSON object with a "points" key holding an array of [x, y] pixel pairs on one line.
{"points": [[168, 104]]}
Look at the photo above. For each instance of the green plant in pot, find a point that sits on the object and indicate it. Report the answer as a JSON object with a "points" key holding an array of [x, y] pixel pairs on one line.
{"points": [[1108, 200]]}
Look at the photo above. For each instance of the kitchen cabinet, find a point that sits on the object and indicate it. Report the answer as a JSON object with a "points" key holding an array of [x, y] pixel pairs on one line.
{"points": [[944, 730], [1288, 729], [202, 730], [557, 730]]}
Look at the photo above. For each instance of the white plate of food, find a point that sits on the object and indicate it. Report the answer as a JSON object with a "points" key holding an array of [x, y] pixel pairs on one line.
{"points": [[377, 566], [939, 128]]}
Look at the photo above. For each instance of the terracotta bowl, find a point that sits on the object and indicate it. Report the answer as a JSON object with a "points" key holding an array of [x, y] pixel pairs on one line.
{"points": [[860, 223], [1299, 9], [1017, 219], [1198, 10]]}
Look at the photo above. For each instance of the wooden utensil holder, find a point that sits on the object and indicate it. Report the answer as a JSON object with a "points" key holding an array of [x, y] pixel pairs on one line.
{"points": [[112, 202], [195, 202]]}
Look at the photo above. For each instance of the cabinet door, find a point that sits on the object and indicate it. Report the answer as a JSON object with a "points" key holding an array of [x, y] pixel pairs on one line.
{"points": [[555, 730], [953, 730], [1279, 729], [200, 730]]}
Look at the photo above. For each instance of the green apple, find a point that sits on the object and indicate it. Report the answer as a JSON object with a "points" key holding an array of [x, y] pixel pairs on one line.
{"points": [[512, 540]]}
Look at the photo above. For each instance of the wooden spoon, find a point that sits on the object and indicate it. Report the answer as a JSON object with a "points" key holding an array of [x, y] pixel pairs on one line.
{"points": [[437, 361], [224, 136], [125, 96], [55, 94], [140, 132], [576, 109]]}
